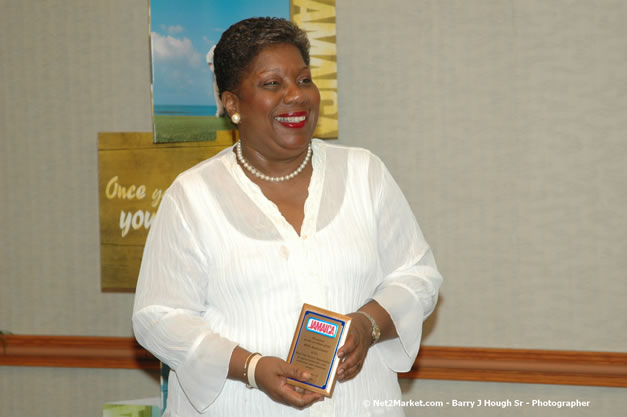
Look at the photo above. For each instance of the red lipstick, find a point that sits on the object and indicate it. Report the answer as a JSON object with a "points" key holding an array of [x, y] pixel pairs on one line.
{"points": [[293, 120]]}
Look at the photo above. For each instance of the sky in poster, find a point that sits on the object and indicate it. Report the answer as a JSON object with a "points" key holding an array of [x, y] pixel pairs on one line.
{"points": [[182, 33]]}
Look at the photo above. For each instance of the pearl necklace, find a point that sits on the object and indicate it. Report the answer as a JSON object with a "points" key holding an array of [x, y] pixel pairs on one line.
{"points": [[258, 174]]}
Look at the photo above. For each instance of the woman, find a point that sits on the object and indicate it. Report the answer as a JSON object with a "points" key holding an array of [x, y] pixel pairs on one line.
{"points": [[243, 239]]}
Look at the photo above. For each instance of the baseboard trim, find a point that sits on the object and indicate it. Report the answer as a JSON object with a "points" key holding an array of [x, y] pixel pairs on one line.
{"points": [[534, 366]]}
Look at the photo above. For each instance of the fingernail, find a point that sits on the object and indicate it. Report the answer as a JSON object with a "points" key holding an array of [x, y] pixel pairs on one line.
{"points": [[306, 375], [340, 354], [341, 371]]}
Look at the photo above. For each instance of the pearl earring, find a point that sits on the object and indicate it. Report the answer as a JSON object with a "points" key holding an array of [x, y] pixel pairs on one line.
{"points": [[236, 118]]}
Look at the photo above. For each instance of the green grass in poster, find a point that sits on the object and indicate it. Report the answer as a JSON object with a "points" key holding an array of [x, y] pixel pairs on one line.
{"points": [[127, 410], [189, 128]]}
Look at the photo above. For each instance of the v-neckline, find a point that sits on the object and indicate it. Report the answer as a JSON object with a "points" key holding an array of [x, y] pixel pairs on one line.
{"points": [[271, 210]]}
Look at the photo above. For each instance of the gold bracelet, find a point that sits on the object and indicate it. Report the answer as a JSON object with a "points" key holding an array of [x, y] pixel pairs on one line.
{"points": [[376, 331]]}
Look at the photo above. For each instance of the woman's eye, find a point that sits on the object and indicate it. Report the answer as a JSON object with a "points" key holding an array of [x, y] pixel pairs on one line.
{"points": [[306, 81], [270, 83]]}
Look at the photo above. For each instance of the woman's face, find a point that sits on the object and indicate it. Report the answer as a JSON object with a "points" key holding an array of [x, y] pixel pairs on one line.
{"points": [[278, 102]]}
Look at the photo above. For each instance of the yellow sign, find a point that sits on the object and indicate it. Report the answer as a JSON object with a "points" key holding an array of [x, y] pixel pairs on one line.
{"points": [[133, 174], [317, 18]]}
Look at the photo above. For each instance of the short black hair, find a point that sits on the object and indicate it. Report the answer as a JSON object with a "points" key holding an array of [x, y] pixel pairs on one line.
{"points": [[244, 40]]}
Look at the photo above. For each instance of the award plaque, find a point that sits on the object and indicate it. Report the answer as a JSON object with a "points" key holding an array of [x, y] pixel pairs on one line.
{"points": [[318, 336]]}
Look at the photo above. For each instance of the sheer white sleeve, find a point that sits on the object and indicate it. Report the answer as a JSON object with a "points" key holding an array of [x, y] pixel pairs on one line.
{"points": [[411, 282], [169, 303]]}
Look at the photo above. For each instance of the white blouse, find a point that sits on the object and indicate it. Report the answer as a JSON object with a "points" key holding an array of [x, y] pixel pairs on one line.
{"points": [[222, 267]]}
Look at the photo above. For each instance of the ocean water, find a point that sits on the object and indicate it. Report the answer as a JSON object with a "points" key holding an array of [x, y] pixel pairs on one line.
{"points": [[184, 110]]}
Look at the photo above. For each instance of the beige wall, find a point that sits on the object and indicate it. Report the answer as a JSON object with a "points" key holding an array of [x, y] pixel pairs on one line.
{"points": [[504, 123]]}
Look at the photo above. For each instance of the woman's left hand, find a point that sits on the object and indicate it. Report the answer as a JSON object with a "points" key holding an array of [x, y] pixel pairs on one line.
{"points": [[355, 349]]}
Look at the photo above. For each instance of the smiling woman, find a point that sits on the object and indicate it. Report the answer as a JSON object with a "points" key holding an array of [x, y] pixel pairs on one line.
{"points": [[278, 106], [244, 239]]}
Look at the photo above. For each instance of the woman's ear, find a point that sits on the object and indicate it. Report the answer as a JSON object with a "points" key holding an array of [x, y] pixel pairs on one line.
{"points": [[230, 102]]}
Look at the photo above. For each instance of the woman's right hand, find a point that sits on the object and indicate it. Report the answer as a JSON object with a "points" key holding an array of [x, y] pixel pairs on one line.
{"points": [[271, 376]]}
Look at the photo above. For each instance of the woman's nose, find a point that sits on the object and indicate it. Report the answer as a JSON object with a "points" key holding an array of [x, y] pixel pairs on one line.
{"points": [[294, 94]]}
